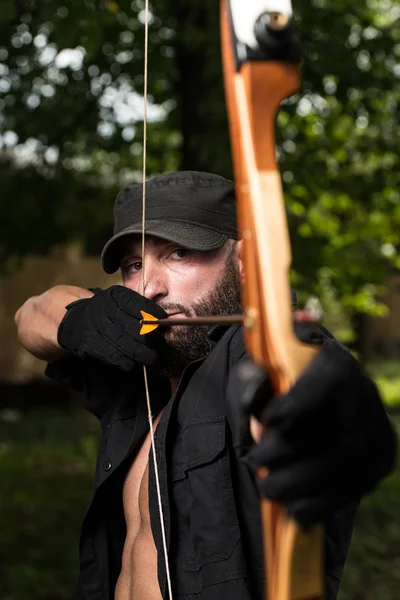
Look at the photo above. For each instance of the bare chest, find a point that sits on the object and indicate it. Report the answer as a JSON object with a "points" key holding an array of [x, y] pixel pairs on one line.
{"points": [[136, 486], [138, 578]]}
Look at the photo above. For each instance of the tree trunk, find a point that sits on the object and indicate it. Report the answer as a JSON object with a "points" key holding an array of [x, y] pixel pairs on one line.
{"points": [[199, 87]]}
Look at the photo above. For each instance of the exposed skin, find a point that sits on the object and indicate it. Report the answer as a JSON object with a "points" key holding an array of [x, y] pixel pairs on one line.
{"points": [[37, 320], [172, 274]]}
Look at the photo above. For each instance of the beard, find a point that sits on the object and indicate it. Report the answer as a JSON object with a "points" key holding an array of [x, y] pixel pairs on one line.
{"points": [[184, 344]]}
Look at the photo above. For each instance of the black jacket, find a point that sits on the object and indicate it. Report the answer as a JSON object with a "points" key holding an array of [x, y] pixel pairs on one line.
{"points": [[210, 502]]}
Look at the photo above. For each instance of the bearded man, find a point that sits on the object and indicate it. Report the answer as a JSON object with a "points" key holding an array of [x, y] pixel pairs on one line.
{"points": [[329, 440]]}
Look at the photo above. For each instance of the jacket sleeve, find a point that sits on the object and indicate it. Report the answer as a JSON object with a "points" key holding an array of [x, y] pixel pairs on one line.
{"points": [[83, 376], [102, 386]]}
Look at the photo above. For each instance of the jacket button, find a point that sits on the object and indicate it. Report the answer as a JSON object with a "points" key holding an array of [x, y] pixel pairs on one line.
{"points": [[107, 465]]}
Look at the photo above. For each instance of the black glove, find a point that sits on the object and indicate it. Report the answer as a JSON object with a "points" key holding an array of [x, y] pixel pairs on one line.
{"points": [[329, 440], [106, 327]]}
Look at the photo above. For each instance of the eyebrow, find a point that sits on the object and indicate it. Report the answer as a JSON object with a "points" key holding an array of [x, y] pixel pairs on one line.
{"points": [[131, 249]]}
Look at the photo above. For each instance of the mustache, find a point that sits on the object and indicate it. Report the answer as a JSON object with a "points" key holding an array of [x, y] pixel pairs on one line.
{"points": [[175, 308]]}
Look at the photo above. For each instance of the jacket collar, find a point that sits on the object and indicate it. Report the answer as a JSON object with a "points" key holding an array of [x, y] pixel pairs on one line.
{"points": [[216, 333]]}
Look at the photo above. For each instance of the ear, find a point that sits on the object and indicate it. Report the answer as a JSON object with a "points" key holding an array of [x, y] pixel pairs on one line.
{"points": [[239, 251]]}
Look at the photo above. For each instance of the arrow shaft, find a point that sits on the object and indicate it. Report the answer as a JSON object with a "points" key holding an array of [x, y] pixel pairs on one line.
{"points": [[211, 320]]}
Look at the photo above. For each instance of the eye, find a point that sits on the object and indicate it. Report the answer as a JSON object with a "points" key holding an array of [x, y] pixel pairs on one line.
{"points": [[180, 252], [132, 267]]}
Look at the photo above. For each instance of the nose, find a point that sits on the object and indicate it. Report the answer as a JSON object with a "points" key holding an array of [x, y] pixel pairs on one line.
{"points": [[156, 284]]}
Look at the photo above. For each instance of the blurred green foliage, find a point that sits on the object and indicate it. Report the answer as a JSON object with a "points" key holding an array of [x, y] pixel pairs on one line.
{"points": [[47, 460], [71, 123], [387, 377], [46, 470], [372, 571]]}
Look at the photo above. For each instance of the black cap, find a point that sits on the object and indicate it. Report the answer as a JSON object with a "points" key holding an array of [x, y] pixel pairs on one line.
{"points": [[193, 209]]}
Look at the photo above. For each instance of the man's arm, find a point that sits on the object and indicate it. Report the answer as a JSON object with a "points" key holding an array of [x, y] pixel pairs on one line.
{"points": [[39, 317]]}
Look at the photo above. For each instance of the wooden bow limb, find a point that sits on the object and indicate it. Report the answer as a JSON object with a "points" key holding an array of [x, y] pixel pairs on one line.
{"points": [[254, 91]]}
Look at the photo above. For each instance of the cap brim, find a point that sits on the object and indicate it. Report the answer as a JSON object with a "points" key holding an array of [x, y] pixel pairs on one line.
{"points": [[189, 236]]}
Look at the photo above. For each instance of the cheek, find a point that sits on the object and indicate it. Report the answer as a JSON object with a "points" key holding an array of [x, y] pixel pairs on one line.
{"points": [[194, 284], [131, 284]]}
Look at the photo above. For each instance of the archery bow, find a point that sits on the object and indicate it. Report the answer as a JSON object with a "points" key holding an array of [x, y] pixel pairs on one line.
{"points": [[261, 69]]}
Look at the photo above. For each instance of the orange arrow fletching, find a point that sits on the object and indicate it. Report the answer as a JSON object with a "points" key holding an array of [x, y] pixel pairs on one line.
{"points": [[147, 328]]}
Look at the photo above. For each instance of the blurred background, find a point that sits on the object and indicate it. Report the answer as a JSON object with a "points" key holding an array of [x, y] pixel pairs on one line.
{"points": [[71, 124]]}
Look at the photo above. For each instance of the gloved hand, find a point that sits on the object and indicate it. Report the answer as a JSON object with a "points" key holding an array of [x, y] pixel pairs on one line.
{"points": [[106, 327], [328, 439]]}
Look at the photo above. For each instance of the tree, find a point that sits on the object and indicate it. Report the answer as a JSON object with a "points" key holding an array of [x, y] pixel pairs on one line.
{"points": [[71, 118], [71, 80]]}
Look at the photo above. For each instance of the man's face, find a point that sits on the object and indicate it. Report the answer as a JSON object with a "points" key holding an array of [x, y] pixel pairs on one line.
{"points": [[184, 283]]}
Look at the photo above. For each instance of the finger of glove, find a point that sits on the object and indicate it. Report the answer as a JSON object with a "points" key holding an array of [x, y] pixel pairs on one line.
{"points": [[126, 337], [249, 388], [353, 451], [308, 511], [109, 355], [128, 346], [349, 466], [331, 370], [302, 479], [144, 355], [132, 303], [275, 450], [141, 356], [128, 320], [123, 349], [309, 332], [115, 323], [296, 416], [131, 327]]}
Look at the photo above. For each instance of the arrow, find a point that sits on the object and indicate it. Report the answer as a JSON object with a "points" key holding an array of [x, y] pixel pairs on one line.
{"points": [[150, 323]]}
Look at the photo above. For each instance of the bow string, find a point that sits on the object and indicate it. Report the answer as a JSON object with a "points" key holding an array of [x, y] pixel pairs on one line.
{"points": [[145, 379]]}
